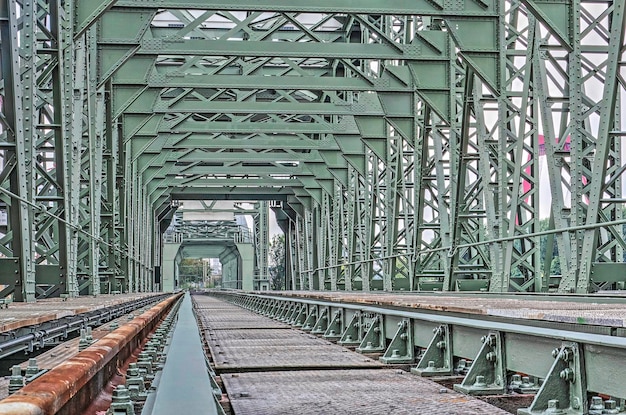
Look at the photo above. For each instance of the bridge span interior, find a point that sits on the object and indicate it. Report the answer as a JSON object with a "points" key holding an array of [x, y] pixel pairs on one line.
{"points": [[404, 145]]}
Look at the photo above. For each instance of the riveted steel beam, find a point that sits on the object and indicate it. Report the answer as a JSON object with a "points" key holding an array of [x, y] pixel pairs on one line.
{"points": [[400, 7]]}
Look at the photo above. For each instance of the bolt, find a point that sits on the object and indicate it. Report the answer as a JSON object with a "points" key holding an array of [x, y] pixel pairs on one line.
{"points": [[596, 403], [121, 402], [526, 383], [567, 375], [83, 343], [395, 353], [441, 344], [135, 383], [16, 380], [491, 357], [88, 335], [480, 381], [431, 364], [32, 369], [553, 406], [610, 407]]}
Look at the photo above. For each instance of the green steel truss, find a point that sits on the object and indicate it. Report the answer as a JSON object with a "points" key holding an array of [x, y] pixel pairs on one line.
{"points": [[401, 143]]}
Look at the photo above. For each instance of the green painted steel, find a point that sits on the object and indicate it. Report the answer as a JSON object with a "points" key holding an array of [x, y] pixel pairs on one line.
{"points": [[401, 142]]}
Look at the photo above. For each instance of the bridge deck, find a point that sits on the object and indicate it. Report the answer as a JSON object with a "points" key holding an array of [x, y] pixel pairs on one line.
{"points": [[286, 371]]}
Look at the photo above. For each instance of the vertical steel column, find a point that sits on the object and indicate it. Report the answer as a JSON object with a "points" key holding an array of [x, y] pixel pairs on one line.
{"points": [[17, 158], [303, 274], [96, 142], [64, 144], [261, 239], [518, 195], [337, 276], [80, 187], [605, 142], [324, 246]]}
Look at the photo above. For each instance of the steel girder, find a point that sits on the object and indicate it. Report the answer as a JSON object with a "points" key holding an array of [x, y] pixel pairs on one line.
{"points": [[261, 240], [408, 136], [583, 75], [17, 157]]}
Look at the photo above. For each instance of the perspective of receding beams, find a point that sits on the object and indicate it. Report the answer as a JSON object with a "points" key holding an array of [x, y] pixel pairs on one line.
{"points": [[469, 145]]}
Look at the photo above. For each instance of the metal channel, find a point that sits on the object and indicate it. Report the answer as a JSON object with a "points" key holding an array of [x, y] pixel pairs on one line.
{"points": [[185, 381]]}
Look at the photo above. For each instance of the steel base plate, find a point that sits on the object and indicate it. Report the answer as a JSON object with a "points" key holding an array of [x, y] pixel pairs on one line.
{"points": [[346, 392]]}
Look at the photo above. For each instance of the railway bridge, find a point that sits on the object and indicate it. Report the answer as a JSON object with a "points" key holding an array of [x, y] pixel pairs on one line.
{"points": [[436, 184]]}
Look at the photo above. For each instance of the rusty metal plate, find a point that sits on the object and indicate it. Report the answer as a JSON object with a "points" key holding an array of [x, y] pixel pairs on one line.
{"points": [[208, 301], [268, 338], [276, 356], [25, 314], [577, 312], [4, 387], [372, 392], [277, 335], [239, 320]]}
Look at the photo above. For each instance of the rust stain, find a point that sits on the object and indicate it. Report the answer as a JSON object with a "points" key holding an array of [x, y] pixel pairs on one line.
{"points": [[54, 389]]}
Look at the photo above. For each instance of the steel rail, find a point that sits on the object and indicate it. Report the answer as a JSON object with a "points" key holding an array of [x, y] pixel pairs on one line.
{"points": [[40, 334], [476, 321]]}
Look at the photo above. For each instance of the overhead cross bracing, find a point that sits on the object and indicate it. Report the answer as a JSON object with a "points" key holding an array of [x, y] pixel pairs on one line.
{"points": [[403, 140]]}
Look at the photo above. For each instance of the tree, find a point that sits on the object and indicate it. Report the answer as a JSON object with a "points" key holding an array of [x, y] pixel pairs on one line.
{"points": [[277, 262], [555, 266], [544, 225], [191, 271]]}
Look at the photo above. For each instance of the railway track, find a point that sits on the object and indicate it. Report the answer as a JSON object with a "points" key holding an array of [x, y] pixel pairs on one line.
{"points": [[236, 353]]}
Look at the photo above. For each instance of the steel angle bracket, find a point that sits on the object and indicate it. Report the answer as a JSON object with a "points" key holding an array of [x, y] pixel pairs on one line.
{"points": [[487, 375], [401, 350], [293, 312], [437, 359], [353, 333], [565, 389], [311, 318], [335, 328], [374, 339], [300, 317], [322, 322]]}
